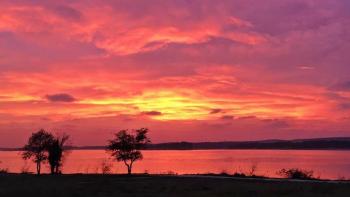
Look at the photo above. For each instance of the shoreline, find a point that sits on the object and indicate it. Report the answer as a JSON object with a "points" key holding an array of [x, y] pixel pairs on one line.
{"points": [[210, 175]]}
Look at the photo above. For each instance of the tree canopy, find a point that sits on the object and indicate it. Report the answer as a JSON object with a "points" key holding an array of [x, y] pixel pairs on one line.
{"points": [[42, 146], [126, 146], [36, 148]]}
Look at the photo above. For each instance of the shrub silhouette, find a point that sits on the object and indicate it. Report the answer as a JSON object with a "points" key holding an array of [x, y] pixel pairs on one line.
{"points": [[3, 170], [126, 146], [239, 174], [296, 173], [253, 169], [106, 167], [36, 148], [55, 152]]}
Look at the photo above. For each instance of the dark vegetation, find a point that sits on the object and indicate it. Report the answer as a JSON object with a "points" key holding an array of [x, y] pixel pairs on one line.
{"points": [[44, 147], [234, 175], [37, 148], [293, 173], [126, 146], [55, 153], [154, 186], [296, 173], [3, 170]]}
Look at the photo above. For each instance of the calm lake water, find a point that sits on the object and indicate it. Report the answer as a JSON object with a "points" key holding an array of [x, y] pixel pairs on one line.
{"points": [[325, 164]]}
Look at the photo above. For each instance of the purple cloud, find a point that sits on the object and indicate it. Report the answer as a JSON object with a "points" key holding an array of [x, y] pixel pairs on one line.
{"points": [[227, 117], [152, 113], [215, 111], [62, 97], [345, 86]]}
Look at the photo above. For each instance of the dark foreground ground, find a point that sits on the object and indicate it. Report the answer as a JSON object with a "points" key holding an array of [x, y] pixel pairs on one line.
{"points": [[201, 186]]}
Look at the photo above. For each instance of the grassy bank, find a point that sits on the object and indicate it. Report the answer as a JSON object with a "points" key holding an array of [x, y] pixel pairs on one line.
{"points": [[201, 186]]}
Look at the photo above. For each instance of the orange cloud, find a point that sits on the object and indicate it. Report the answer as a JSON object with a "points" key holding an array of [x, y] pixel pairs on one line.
{"points": [[113, 32]]}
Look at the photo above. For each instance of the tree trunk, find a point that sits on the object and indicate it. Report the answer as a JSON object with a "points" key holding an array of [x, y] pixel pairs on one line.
{"points": [[129, 170], [38, 167], [52, 168], [129, 166], [57, 169]]}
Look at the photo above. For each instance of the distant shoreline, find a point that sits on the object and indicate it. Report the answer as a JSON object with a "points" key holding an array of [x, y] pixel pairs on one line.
{"points": [[335, 143]]}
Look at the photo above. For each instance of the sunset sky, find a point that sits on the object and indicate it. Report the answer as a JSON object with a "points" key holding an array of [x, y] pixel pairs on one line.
{"points": [[189, 70]]}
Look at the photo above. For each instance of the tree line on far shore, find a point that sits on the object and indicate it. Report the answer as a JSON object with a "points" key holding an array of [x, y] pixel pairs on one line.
{"points": [[44, 147]]}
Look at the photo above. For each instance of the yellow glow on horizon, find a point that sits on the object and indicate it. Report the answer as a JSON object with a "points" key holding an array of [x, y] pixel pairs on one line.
{"points": [[171, 105], [176, 105]]}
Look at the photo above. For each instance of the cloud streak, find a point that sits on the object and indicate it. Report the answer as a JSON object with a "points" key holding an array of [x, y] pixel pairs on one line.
{"points": [[62, 97]]}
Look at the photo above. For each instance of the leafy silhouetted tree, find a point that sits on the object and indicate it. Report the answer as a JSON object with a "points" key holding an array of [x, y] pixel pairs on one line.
{"points": [[56, 149], [126, 146], [37, 147]]}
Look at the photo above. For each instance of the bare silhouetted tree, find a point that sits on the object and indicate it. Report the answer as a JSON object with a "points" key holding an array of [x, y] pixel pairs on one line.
{"points": [[37, 147], [56, 148], [106, 166], [126, 146]]}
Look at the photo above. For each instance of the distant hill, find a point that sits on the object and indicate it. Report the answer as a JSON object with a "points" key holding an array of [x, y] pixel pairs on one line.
{"points": [[320, 143], [336, 143]]}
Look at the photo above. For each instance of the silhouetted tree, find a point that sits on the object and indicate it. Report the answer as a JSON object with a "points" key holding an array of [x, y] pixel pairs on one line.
{"points": [[296, 173], [37, 147], [126, 146], [56, 149]]}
